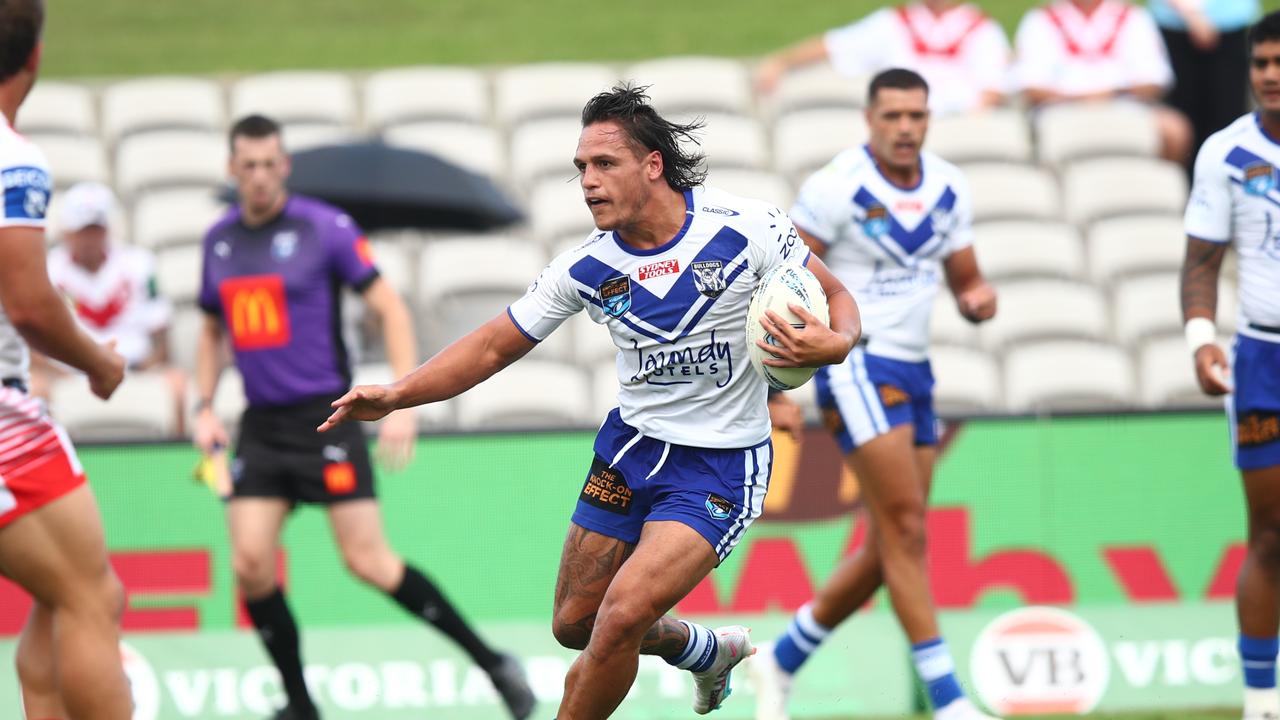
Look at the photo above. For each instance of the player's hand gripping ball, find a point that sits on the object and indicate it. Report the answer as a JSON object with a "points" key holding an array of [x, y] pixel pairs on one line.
{"points": [[783, 285]]}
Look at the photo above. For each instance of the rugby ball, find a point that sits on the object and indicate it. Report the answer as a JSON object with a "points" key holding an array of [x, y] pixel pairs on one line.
{"points": [[780, 287]]}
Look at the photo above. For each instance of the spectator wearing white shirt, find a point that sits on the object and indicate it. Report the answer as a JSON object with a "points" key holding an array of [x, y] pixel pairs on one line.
{"points": [[1099, 50], [961, 52]]}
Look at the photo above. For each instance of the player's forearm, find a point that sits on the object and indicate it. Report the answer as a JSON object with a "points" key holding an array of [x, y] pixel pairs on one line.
{"points": [[1149, 93], [845, 319], [44, 321], [1040, 96], [398, 337], [1200, 270], [459, 367]]}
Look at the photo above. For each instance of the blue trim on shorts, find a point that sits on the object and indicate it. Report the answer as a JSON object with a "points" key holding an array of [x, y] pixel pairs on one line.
{"points": [[872, 394]]}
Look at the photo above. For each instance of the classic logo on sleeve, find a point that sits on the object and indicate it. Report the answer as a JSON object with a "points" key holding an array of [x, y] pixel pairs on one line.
{"points": [[256, 311], [1259, 179], [615, 295], [607, 489]]}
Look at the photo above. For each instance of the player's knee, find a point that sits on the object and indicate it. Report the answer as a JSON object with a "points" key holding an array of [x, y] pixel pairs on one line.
{"points": [[1264, 543], [376, 566], [622, 626], [35, 670], [570, 634], [255, 572], [903, 525]]}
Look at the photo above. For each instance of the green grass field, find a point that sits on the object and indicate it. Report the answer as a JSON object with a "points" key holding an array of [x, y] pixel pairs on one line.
{"points": [[129, 37]]}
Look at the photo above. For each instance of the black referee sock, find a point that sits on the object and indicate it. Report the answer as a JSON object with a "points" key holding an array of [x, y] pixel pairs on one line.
{"points": [[279, 633], [421, 597]]}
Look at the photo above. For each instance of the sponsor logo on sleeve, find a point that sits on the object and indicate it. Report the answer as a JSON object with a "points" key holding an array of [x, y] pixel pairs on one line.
{"points": [[26, 192], [876, 222], [1259, 178], [607, 489]]}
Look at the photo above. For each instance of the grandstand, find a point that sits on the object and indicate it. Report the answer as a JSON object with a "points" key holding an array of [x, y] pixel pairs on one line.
{"points": [[1071, 204]]}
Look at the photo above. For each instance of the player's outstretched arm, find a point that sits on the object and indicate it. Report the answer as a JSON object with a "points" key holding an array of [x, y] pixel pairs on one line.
{"points": [[454, 370], [975, 298], [815, 344], [773, 67], [1200, 269], [42, 318]]}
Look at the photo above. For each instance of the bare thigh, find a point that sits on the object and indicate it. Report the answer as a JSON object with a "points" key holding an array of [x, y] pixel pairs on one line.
{"points": [[57, 550]]}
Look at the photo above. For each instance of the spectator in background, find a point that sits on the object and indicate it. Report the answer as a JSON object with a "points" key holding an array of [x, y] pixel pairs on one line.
{"points": [[1099, 50], [962, 53], [111, 286], [1206, 43]]}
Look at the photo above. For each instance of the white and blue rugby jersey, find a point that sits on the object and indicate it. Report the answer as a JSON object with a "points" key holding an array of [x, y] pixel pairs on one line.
{"points": [[678, 315], [27, 187], [1236, 198], [886, 243]]}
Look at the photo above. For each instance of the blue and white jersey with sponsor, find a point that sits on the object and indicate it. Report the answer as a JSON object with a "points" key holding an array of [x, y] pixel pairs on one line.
{"points": [[887, 243], [27, 186], [1236, 198], [678, 315]]}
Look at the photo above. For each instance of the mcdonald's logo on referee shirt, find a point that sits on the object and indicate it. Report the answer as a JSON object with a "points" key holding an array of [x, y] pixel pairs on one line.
{"points": [[256, 312]]}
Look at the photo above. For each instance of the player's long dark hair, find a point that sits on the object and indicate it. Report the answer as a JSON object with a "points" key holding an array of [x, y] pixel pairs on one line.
{"points": [[1267, 29], [20, 25], [628, 105]]}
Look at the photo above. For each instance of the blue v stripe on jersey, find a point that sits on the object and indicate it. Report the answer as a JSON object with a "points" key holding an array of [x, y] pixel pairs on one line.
{"points": [[908, 240]]}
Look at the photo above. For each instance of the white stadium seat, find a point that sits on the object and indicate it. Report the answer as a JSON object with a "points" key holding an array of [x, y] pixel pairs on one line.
{"points": [[530, 394], [527, 92], [73, 159], [543, 149], [175, 217], [1134, 244], [694, 84], [57, 107], [1146, 305], [947, 326], [425, 93], [1027, 248], [161, 103], [757, 184], [229, 402], [1167, 375], [1068, 375], [178, 272], [815, 86], [1003, 191], [294, 97], [1039, 309], [557, 209], [168, 159], [728, 141], [142, 408], [1104, 187], [477, 148], [1000, 135], [396, 258], [804, 141], [184, 332], [593, 345], [1072, 131], [967, 380], [302, 136], [433, 416]]}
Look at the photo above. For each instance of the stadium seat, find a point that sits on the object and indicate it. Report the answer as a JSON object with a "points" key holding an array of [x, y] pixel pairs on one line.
{"points": [[557, 209], [805, 140], [729, 141], [477, 148], [302, 136], [411, 94], [57, 107], [73, 159], [604, 389], [1149, 305], [967, 380], [1067, 375], [1073, 131], [433, 416], [813, 87], [170, 158], [1104, 187], [1024, 248], [528, 92], [757, 184], [694, 84], [142, 408], [175, 217], [161, 103], [530, 394], [183, 334], [1007, 191], [947, 326], [1040, 309], [1134, 244], [999, 135], [178, 272], [593, 345], [296, 97], [543, 149], [1167, 375]]}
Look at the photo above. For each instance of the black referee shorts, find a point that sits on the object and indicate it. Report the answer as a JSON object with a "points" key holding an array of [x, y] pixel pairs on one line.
{"points": [[279, 454]]}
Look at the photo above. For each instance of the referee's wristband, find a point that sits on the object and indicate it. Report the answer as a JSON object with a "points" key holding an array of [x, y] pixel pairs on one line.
{"points": [[1199, 332], [201, 405]]}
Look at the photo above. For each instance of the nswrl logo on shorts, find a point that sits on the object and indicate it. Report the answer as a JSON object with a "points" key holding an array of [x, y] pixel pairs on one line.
{"points": [[718, 507]]}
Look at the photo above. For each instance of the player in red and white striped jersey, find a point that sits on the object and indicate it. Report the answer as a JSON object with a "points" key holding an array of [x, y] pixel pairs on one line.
{"points": [[51, 539]]}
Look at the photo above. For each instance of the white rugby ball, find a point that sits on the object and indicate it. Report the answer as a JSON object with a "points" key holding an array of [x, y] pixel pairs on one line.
{"points": [[781, 286]]}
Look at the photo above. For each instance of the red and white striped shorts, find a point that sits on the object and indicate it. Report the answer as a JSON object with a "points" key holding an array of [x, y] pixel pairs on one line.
{"points": [[37, 462]]}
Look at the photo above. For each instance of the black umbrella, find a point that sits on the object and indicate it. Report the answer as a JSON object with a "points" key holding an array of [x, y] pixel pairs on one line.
{"points": [[385, 187]]}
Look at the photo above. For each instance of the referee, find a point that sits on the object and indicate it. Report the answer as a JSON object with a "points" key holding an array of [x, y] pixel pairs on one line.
{"points": [[272, 268]]}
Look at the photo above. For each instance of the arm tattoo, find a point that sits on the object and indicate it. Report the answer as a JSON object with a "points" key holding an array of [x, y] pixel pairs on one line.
{"points": [[1200, 271]]}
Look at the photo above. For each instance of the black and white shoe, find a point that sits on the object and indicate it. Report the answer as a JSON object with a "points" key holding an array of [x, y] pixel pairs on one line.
{"points": [[509, 680]]}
